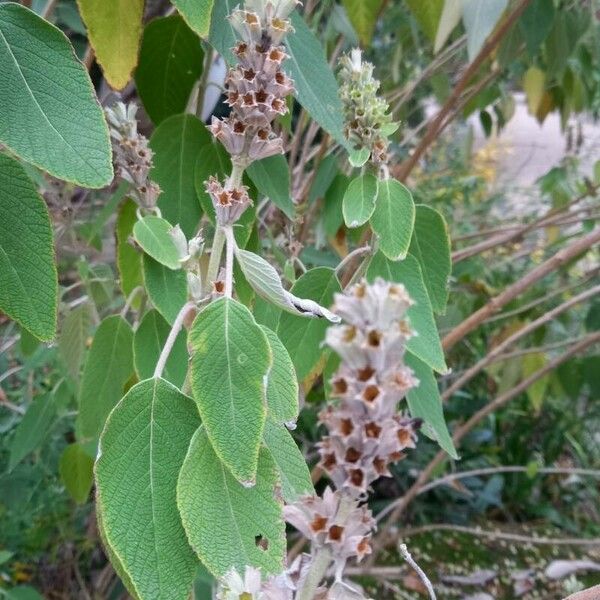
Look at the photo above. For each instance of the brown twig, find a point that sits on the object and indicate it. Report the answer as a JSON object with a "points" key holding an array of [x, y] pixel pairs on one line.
{"points": [[592, 593], [400, 505], [510, 293], [509, 341], [402, 171]]}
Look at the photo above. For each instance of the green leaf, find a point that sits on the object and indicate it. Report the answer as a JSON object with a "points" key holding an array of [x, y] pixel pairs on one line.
{"points": [[266, 282], [23, 592], [153, 235], [148, 342], [170, 64], [167, 289], [359, 200], [427, 15], [363, 16], [394, 218], [303, 337], [449, 19], [108, 367], [430, 245], [282, 384], [176, 143], [316, 86], [358, 158], [76, 468], [230, 361], [424, 402], [537, 390], [32, 429], [28, 279], [197, 14], [292, 468], [536, 23], [141, 452], [114, 28], [426, 345], [73, 337], [129, 260], [480, 17], [271, 176], [28, 344], [223, 519], [49, 114]]}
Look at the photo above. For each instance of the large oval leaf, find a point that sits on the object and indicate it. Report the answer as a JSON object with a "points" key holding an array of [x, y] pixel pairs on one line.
{"points": [[76, 468], [142, 449], [28, 280], [49, 114], [176, 143], [394, 218], [230, 362], [271, 176], [114, 29], [170, 64], [197, 13], [223, 519], [108, 366]]}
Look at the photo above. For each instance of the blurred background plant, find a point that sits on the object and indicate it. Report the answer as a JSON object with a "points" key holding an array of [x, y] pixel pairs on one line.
{"points": [[497, 102]]}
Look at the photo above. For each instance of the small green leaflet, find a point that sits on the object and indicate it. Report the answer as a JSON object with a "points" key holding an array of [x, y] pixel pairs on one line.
{"points": [[167, 289], [231, 359], [271, 176], [76, 468], [28, 279], [176, 143], [282, 383], [430, 245], [49, 113], [148, 342], [141, 452], [114, 29], [108, 366], [394, 218], [170, 64], [292, 468], [197, 14], [424, 402], [363, 16], [479, 18], [153, 235], [359, 200], [32, 429], [129, 259], [426, 344], [302, 337], [223, 519], [73, 337]]}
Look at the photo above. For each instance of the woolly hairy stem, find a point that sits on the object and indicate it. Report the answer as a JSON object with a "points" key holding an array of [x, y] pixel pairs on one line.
{"points": [[230, 247], [215, 258], [177, 325], [411, 561], [317, 571]]}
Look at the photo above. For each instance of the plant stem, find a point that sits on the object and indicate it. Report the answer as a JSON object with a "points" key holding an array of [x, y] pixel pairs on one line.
{"points": [[350, 257], [49, 9], [177, 325], [134, 292], [229, 261], [317, 571], [411, 561], [215, 258]]}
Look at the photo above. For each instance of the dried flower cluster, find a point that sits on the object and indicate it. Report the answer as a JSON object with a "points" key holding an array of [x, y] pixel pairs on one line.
{"points": [[335, 522], [368, 123], [132, 155], [257, 87], [366, 433], [229, 203]]}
